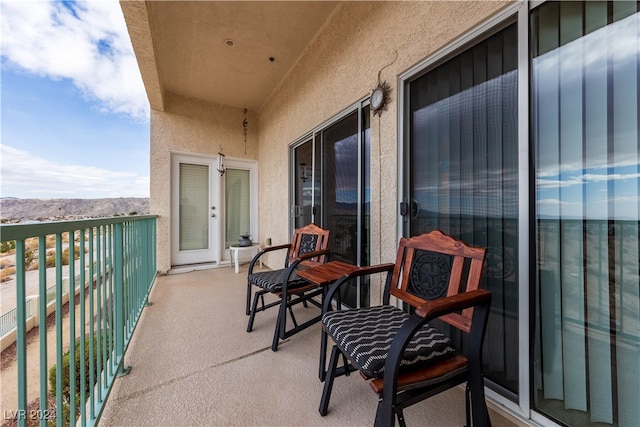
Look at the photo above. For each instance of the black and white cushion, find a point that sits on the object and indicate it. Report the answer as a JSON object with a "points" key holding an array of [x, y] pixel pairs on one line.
{"points": [[365, 335], [271, 281]]}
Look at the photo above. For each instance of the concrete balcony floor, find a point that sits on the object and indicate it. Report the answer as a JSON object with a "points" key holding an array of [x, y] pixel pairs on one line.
{"points": [[193, 363]]}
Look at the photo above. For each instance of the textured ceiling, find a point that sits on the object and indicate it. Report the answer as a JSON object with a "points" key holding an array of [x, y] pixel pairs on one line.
{"points": [[180, 46]]}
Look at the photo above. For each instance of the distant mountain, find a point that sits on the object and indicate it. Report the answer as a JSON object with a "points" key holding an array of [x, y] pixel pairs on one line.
{"points": [[23, 210]]}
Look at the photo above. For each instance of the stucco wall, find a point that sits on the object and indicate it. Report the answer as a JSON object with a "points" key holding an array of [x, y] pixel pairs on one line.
{"points": [[339, 69], [195, 127]]}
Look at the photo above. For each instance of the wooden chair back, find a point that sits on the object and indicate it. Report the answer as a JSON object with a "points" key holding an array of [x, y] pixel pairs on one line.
{"points": [[309, 238], [435, 265]]}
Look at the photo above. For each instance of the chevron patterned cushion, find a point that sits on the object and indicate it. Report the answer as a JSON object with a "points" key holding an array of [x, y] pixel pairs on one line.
{"points": [[272, 280], [365, 336]]}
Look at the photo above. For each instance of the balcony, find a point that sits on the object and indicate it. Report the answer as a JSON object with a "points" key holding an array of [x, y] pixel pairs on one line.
{"points": [[192, 362]]}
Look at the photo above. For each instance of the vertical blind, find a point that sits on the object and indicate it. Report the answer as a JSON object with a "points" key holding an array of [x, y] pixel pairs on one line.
{"points": [[194, 207], [237, 199], [585, 78], [463, 175]]}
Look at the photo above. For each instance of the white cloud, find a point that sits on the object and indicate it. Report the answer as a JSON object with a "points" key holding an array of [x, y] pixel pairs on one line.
{"points": [[27, 176], [588, 178], [86, 42]]}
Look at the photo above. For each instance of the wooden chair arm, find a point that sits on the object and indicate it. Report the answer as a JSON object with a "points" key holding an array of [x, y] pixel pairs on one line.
{"points": [[370, 269], [276, 247], [264, 251], [296, 261], [294, 265], [308, 255], [479, 298], [361, 271], [437, 307]]}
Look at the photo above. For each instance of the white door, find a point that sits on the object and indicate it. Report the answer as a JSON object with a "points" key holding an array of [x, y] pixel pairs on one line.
{"points": [[195, 210]]}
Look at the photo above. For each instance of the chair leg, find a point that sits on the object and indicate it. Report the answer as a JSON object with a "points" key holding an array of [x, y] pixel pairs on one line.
{"points": [[467, 405], [401, 420], [385, 416], [486, 415], [323, 356], [247, 309], [345, 363], [276, 337], [293, 318], [281, 323], [253, 311], [328, 382], [479, 410]]}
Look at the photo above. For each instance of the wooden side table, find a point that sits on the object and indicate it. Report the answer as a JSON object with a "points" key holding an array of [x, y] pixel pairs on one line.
{"points": [[234, 251], [326, 274]]}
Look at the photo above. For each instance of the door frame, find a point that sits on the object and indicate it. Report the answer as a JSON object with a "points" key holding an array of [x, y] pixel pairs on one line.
{"points": [[518, 13], [213, 253], [317, 175], [252, 167]]}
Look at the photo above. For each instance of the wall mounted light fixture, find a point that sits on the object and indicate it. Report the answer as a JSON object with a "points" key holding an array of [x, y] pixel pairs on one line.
{"points": [[221, 166], [245, 125]]}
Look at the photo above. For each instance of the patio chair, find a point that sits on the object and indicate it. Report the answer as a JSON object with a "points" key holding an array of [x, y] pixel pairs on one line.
{"points": [[406, 359], [308, 248]]}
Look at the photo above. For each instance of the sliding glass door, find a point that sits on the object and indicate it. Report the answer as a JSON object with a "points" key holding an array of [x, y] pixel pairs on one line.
{"points": [[462, 176], [331, 188], [302, 209], [463, 173], [585, 117]]}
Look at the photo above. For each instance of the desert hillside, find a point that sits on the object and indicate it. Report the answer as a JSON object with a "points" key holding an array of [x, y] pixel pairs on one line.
{"points": [[22, 210]]}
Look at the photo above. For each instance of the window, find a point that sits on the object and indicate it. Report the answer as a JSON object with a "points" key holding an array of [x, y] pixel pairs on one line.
{"points": [[237, 205], [194, 201]]}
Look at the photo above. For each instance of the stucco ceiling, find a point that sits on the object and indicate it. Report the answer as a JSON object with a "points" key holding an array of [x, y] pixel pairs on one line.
{"points": [[180, 46]]}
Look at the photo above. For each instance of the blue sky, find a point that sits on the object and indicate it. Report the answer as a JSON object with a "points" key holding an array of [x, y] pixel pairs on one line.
{"points": [[74, 115]]}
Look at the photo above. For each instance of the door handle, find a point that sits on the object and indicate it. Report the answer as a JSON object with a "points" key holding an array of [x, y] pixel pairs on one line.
{"points": [[415, 209], [404, 208]]}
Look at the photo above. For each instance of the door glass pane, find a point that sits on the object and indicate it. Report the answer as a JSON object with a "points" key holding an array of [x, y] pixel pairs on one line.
{"points": [[366, 192], [340, 187], [341, 201], [194, 207], [585, 77], [463, 176], [331, 188], [237, 198], [303, 198]]}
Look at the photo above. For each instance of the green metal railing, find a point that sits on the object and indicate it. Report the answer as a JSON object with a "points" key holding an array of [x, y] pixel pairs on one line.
{"points": [[8, 320], [115, 259]]}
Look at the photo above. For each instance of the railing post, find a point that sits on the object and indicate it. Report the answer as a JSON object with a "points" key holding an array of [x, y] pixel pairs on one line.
{"points": [[42, 319], [119, 297], [21, 338], [59, 329], [147, 256]]}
